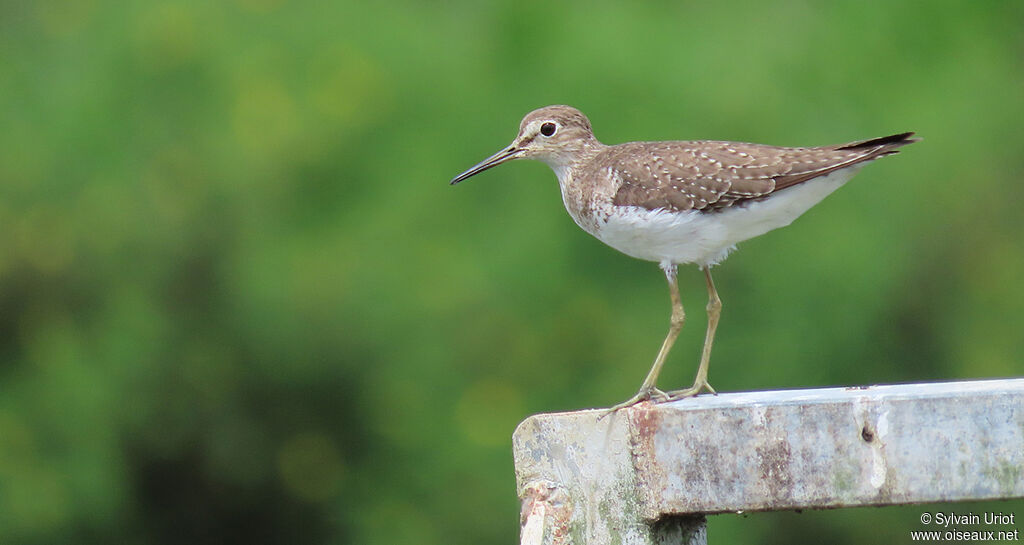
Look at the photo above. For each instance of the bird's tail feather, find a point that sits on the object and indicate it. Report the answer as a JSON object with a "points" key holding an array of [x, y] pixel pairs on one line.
{"points": [[886, 142]]}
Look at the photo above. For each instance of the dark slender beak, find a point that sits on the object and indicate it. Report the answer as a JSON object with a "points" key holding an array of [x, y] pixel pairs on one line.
{"points": [[498, 158]]}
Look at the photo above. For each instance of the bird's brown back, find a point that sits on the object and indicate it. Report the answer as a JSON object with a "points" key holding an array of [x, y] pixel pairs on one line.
{"points": [[711, 175]]}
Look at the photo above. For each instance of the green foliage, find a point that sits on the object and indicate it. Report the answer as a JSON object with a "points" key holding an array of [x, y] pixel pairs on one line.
{"points": [[240, 303]]}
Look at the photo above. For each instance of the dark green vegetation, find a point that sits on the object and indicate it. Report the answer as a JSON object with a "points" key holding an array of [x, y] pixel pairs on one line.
{"points": [[239, 301]]}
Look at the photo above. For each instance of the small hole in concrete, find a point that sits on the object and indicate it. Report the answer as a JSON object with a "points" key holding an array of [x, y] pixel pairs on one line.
{"points": [[867, 434]]}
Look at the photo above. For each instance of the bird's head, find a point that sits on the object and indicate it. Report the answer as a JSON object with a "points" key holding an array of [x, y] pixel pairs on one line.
{"points": [[556, 135]]}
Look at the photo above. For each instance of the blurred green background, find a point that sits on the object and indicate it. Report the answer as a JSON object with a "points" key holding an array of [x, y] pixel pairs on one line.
{"points": [[239, 302]]}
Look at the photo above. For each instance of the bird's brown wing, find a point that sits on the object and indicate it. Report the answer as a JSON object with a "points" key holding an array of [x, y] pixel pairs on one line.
{"points": [[711, 175]]}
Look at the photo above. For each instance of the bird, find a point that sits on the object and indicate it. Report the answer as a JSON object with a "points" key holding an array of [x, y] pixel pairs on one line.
{"points": [[681, 202]]}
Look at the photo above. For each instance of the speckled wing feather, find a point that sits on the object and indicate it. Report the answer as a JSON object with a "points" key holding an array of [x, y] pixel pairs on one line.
{"points": [[710, 175]]}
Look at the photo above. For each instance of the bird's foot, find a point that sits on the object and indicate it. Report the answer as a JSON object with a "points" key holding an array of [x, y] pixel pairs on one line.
{"points": [[646, 393], [698, 386]]}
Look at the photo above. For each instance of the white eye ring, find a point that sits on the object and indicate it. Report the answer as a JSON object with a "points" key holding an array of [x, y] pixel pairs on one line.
{"points": [[548, 128]]}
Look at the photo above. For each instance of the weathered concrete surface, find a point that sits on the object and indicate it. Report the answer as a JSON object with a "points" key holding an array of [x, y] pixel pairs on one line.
{"points": [[585, 462], [632, 477]]}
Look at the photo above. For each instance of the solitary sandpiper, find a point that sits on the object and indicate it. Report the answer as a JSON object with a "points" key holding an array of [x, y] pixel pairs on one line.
{"points": [[681, 202]]}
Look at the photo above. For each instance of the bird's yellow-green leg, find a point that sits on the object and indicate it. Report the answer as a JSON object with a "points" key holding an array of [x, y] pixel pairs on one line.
{"points": [[648, 390], [714, 312]]}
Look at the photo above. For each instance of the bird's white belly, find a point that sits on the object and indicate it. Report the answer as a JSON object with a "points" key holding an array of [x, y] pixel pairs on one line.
{"points": [[707, 238]]}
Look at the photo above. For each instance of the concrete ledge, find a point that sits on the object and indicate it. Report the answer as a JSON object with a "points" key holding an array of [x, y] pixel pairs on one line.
{"points": [[795, 449]]}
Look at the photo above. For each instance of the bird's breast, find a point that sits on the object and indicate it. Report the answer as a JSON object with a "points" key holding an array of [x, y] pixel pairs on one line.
{"points": [[585, 201]]}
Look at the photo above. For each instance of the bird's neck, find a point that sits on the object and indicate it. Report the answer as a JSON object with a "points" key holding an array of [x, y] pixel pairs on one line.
{"points": [[568, 163]]}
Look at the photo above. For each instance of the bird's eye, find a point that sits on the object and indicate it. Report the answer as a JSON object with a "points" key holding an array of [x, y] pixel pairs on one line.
{"points": [[547, 129]]}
